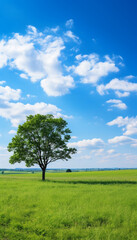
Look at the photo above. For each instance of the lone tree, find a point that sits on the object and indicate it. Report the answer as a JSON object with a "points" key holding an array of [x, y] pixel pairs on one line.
{"points": [[41, 140], [68, 170]]}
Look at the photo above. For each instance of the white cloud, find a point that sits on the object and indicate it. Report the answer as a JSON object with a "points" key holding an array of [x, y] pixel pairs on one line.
{"points": [[71, 35], [30, 96], [7, 93], [17, 112], [78, 57], [110, 151], [23, 75], [123, 140], [69, 23], [130, 157], [12, 131], [122, 94], [21, 54], [57, 85], [73, 137], [121, 87], [129, 124], [129, 77], [97, 152], [91, 143], [91, 69], [117, 104], [32, 30], [120, 121], [56, 29], [37, 56], [2, 82]]}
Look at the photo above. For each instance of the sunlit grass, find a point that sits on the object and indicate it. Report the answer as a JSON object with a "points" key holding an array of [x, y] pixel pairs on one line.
{"points": [[91, 205]]}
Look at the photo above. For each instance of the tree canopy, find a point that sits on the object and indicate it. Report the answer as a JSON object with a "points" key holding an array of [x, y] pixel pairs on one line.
{"points": [[41, 140]]}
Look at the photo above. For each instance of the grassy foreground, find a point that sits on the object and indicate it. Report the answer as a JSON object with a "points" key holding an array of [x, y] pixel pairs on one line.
{"points": [[83, 205]]}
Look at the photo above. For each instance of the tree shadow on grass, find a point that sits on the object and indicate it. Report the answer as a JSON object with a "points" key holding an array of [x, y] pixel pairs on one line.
{"points": [[92, 182]]}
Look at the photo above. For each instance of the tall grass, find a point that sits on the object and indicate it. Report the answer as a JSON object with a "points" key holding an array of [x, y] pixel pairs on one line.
{"points": [[91, 205]]}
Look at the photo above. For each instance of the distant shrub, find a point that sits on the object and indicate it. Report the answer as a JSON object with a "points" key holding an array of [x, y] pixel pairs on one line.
{"points": [[68, 170], [2, 172]]}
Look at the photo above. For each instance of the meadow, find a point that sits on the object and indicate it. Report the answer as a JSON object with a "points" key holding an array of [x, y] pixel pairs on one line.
{"points": [[98, 205]]}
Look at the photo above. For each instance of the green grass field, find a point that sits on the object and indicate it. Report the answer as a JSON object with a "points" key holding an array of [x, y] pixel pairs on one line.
{"points": [[82, 205]]}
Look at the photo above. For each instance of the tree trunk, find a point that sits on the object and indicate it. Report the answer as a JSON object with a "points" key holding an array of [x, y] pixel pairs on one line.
{"points": [[43, 174]]}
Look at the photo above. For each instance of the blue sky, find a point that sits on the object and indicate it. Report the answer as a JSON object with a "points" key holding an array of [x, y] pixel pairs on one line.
{"points": [[77, 60]]}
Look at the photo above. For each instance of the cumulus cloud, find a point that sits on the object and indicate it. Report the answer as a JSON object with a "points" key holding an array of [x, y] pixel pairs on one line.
{"points": [[117, 104], [122, 88], [57, 85], [17, 112], [37, 56], [85, 143], [91, 69], [129, 124], [120, 121], [123, 140], [7, 93]]}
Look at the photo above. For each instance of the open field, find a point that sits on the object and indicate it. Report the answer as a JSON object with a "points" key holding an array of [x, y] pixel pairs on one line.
{"points": [[83, 205]]}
